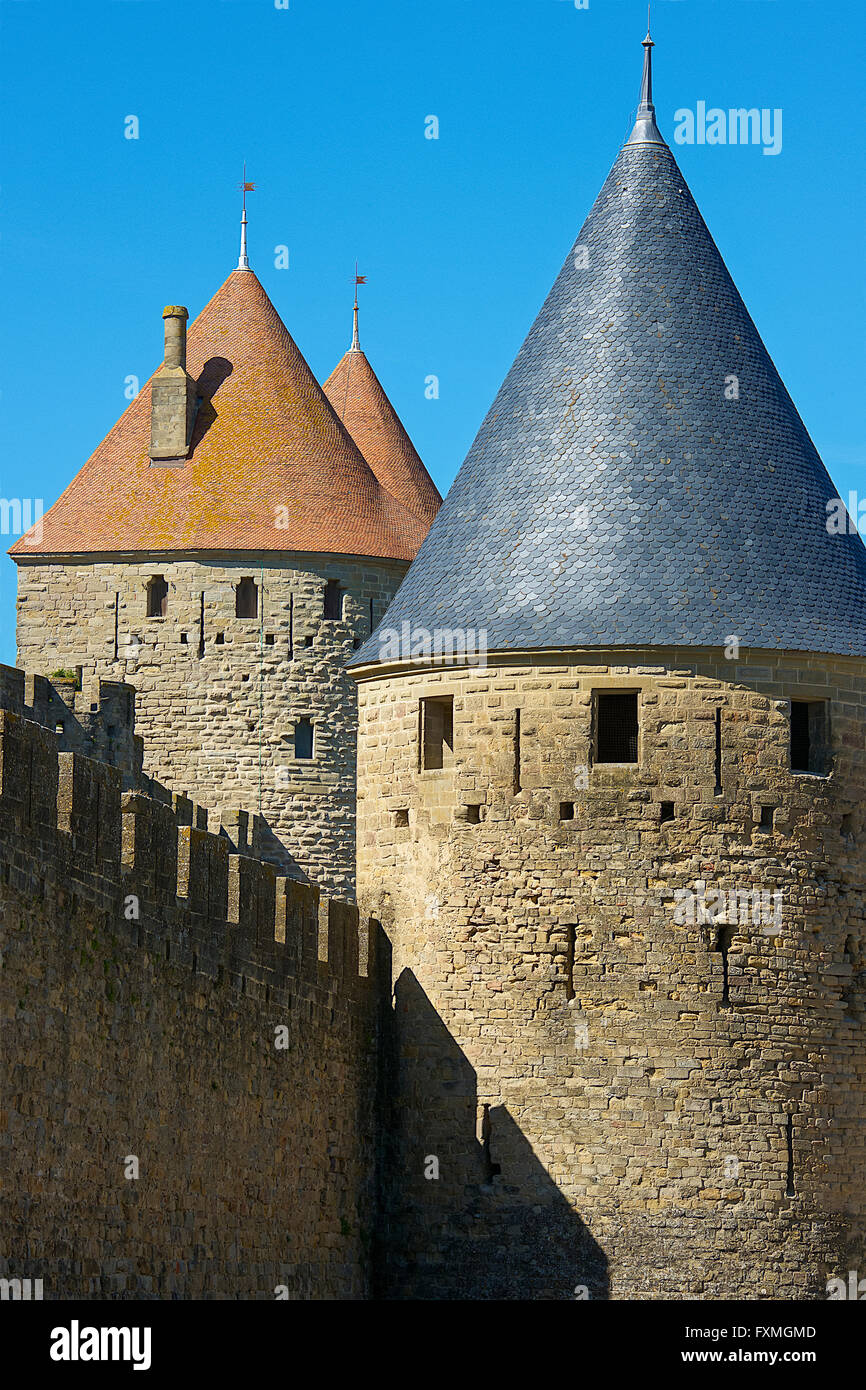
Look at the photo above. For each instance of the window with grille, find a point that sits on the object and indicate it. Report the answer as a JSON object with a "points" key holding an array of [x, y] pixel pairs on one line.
{"points": [[616, 726]]}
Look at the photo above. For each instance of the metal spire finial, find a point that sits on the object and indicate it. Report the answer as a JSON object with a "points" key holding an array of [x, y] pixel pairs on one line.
{"points": [[359, 280], [646, 132], [243, 263]]}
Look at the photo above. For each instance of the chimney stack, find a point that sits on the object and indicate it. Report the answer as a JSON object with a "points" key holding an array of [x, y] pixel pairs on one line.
{"points": [[173, 397]]}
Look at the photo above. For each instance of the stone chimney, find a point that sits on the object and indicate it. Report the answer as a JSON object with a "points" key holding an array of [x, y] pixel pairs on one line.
{"points": [[173, 395]]}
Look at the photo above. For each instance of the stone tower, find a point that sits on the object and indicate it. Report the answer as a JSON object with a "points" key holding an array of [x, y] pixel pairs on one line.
{"points": [[225, 549], [621, 865]]}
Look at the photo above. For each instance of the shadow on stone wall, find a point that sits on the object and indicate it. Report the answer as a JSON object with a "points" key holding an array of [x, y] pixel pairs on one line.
{"points": [[493, 1225]]}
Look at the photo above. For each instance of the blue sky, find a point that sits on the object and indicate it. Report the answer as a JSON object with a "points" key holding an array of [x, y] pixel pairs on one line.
{"points": [[460, 237]]}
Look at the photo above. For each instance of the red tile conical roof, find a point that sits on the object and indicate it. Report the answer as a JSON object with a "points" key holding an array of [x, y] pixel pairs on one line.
{"points": [[270, 465], [357, 396]]}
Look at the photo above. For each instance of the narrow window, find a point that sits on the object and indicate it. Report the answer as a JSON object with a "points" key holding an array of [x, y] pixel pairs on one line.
{"points": [[201, 628], [247, 599], [269, 639], [766, 824], [220, 639], [667, 810], [116, 624], [291, 625], [473, 815], [401, 817], [517, 787], [308, 640], [809, 737], [566, 810], [183, 638], [617, 727], [437, 732], [718, 750], [304, 739], [490, 1168], [789, 1136], [569, 962], [157, 597], [333, 601], [724, 938]]}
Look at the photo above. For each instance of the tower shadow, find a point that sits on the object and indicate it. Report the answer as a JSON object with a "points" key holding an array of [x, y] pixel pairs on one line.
{"points": [[467, 1209]]}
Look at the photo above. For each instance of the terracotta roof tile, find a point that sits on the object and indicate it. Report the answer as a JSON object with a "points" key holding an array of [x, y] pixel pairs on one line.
{"points": [[357, 396], [265, 439]]}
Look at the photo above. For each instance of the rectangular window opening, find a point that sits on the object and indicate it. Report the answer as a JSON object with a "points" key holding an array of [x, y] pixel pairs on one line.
{"points": [[304, 738], [247, 599], [566, 810], [333, 601], [616, 726], [810, 737], [667, 810], [437, 732]]}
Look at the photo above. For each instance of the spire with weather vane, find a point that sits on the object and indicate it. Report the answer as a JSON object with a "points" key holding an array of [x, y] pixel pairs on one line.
{"points": [[243, 262]]}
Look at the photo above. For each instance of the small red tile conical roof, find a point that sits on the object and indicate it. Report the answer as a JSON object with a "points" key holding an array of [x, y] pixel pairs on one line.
{"points": [[270, 465], [357, 396]]}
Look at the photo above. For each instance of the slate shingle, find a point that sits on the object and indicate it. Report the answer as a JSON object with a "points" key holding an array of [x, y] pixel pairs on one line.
{"points": [[614, 495]]}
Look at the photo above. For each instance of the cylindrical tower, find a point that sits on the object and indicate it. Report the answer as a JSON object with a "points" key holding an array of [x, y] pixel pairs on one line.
{"points": [[619, 853], [226, 550]]}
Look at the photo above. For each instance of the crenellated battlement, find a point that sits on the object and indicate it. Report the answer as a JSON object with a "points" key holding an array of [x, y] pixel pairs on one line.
{"points": [[91, 716], [75, 822], [167, 996]]}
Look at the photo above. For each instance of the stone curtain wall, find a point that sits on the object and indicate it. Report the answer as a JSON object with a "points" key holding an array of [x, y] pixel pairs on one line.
{"points": [[154, 1037], [220, 726], [560, 1050]]}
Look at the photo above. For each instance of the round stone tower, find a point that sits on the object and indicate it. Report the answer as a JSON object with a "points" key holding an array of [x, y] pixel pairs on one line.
{"points": [[225, 550], [619, 855]]}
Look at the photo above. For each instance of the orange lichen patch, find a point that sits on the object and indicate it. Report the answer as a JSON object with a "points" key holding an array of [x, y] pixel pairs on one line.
{"points": [[356, 394], [270, 466]]}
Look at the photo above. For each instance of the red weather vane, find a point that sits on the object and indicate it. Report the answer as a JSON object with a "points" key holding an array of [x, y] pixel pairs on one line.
{"points": [[245, 187]]}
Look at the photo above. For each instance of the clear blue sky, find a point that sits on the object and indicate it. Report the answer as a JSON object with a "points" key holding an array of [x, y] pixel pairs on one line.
{"points": [[460, 237]]}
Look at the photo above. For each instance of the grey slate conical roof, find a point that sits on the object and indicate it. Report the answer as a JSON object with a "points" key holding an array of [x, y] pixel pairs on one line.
{"points": [[614, 494]]}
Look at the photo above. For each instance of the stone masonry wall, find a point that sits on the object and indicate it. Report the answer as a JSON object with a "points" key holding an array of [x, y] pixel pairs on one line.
{"points": [[218, 696], [621, 1103], [145, 972]]}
